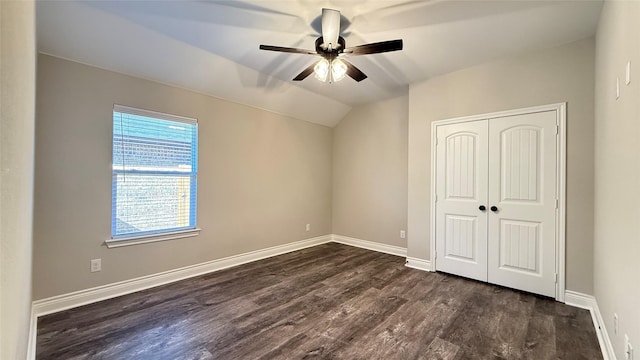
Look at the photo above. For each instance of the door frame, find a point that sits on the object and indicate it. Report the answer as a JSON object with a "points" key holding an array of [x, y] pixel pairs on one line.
{"points": [[561, 156]]}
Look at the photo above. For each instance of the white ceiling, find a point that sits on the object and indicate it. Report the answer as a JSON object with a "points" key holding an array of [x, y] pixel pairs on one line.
{"points": [[212, 46]]}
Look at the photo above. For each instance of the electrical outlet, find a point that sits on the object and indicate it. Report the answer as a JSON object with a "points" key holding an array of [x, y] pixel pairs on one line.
{"points": [[403, 234], [615, 324], [628, 349], [96, 265], [308, 227]]}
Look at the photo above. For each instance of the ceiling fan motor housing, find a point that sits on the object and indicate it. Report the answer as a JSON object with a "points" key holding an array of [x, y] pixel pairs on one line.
{"points": [[330, 53]]}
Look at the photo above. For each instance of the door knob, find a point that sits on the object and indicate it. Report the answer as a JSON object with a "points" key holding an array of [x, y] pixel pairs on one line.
{"points": [[494, 208], [482, 208]]}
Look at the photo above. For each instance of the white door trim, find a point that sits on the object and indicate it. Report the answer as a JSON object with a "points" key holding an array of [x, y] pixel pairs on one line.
{"points": [[561, 113]]}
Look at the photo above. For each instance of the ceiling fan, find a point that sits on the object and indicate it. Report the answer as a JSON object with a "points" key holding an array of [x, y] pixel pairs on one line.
{"points": [[332, 48]]}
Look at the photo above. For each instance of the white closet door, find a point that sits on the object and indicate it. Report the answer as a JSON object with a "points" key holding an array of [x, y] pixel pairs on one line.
{"points": [[461, 188], [522, 185]]}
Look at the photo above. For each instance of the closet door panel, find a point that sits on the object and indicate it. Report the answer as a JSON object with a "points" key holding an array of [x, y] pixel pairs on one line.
{"points": [[461, 188], [522, 187]]}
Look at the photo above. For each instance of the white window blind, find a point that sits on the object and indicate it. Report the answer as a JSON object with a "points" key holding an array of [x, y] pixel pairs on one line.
{"points": [[154, 173]]}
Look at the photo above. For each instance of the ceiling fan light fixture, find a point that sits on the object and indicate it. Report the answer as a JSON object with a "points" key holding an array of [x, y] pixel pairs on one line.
{"points": [[338, 70], [321, 70], [334, 70]]}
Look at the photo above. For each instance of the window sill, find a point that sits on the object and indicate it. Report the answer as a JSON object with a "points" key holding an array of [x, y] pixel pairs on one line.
{"points": [[137, 240]]}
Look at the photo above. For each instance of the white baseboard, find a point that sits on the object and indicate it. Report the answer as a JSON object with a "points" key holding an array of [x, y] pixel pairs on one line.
{"points": [[580, 300], [420, 264], [589, 302], [370, 245], [88, 296], [33, 333]]}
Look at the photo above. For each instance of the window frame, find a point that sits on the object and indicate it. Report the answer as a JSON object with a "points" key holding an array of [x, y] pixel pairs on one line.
{"points": [[154, 235]]}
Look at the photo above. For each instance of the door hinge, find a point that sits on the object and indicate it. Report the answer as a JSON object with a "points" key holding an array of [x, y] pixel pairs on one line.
{"points": [[435, 255], [556, 278], [557, 129], [556, 203], [436, 197]]}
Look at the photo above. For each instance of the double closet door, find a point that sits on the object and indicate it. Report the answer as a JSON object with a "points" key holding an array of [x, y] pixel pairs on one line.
{"points": [[496, 200]]}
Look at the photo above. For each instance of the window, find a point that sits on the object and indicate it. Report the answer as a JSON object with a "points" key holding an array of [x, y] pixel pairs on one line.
{"points": [[154, 175]]}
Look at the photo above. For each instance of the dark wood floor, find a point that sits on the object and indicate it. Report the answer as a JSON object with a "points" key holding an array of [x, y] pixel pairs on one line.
{"points": [[328, 302]]}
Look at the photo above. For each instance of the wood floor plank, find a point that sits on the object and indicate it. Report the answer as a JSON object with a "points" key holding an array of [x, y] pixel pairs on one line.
{"points": [[325, 302], [441, 350], [476, 324], [540, 341], [404, 335]]}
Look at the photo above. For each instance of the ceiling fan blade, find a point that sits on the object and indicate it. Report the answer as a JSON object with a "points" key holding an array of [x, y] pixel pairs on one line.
{"points": [[330, 27], [374, 48], [306, 72], [287, 49], [354, 72]]}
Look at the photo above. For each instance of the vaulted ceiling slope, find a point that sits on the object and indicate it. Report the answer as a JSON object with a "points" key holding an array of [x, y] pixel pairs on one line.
{"points": [[212, 46]]}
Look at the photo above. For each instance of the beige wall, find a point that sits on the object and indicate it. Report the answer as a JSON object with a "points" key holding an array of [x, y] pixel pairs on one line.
{"points": [[17, 105], [262, 177], [370, 172], [617, 176], [549, 76]]}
